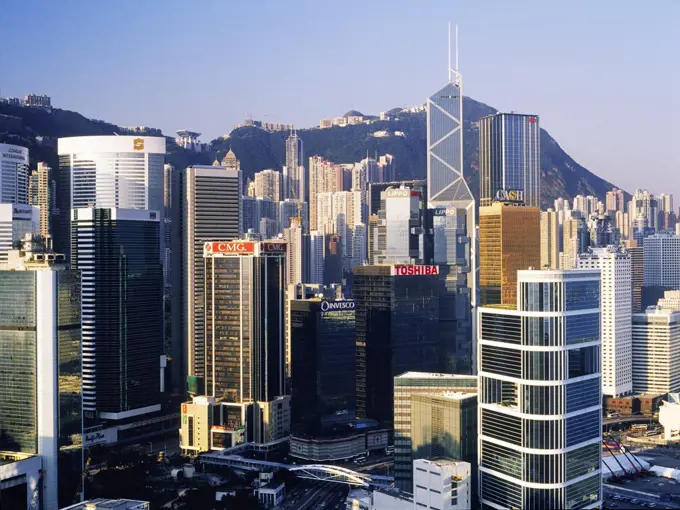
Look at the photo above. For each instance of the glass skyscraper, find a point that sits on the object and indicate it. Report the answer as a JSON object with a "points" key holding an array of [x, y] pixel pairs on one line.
{"points": [[540, 396], [510, 157], [452, 207], [116, 251]]}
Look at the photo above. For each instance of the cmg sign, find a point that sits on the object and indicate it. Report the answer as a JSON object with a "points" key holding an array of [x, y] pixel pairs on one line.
{"points": [[228, 248], [272, 248], [509, 195], [414, 270]]}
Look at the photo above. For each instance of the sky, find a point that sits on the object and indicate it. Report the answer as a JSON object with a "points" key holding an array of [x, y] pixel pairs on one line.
{"points": [[603, 76]]}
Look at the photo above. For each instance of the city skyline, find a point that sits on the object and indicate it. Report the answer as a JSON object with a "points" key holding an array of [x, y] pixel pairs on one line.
{"points": [[566, 43]]}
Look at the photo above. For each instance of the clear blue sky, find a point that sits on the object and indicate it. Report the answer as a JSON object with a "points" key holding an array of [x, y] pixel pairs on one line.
{"points": [[603, 75]]}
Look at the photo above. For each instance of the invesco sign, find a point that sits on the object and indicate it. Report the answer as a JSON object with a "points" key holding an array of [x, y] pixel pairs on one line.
{"points": [[509, 195], [334, 306]]}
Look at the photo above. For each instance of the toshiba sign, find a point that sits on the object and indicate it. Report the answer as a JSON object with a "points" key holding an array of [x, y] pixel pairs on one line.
{"points": [[414, 270], [229, 247]]}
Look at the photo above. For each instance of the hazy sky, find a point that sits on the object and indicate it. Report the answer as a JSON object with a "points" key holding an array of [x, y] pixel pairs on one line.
{"points": [[604, 75]]}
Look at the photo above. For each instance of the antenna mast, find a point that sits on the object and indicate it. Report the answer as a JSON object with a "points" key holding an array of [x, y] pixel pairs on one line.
{"points": [[456, 48], [449, 47]]}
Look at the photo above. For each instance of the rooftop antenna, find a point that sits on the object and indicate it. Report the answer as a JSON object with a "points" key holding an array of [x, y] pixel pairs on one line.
{"points": [[449, 51]]}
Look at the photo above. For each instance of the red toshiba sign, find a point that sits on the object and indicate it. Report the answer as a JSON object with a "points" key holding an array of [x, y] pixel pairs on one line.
{"points": [[414, 270], [229, 247]]}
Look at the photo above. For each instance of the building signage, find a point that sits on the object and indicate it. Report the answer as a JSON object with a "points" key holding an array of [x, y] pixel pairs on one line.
{"points": [[104, 436], [510, 195], [19, 154], [532, 120], [334, 306], [273, 247], [138, 144], [229, 248], [21, 212], [395, 193], [412, 270], [444, 211]]}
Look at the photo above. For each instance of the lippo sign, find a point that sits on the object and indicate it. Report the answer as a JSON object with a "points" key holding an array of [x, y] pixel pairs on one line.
{"points": [[414, 270], [229, 248]]}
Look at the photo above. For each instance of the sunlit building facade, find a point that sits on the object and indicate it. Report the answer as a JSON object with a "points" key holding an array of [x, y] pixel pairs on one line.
{"points": [[540, 398]]}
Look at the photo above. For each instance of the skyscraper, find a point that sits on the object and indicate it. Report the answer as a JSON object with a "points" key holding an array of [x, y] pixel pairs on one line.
{"points": [[574, 241], [109, 172], [13, 174], [316, 257], [656, 347], [540, 394], [288, 209], [40, 368], [16, 220], [454, 224], [322, 179], [323, 364], [244, 324], [509, 156], [294, 180], [409, 385], [397, 330], [122, 284], [268, 184], [615, 317], [297, 256], [41, 193], [209, 209], [615, 201], [509, 240], [550, 240], [637, 262]]}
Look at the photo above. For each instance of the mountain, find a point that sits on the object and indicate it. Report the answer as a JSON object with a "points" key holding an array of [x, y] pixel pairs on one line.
{"points": [[404, 136]]}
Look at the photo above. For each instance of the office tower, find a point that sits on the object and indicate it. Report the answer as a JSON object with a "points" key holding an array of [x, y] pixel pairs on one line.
{"points": [[603, 232], [400, 226], [40, 373], [615, 201], [656, 347], [322, 179], [574, 241], [509, 156], [41, 194], [665, 201], [409, 385], [13, 174], [509, 240], [316, 257], [297, 256], [323, 365], [622, 222], [170, 202], [443, 483], [16, 220], [637, 268], [661, 266], [209, 209], [587, 205], [332, 259], [268, 184], [244, 327], [453, 224], [109, 172], [540, 394], [386, 169], [550, 246], [295, 184], [256, 209], [615, 316], [122, 281], [645, 209], [397, 330], [288, 209]]}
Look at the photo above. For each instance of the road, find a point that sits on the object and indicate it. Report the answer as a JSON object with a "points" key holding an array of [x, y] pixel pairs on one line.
{"points": [[628, 419], [609, 493], [317, 495]]}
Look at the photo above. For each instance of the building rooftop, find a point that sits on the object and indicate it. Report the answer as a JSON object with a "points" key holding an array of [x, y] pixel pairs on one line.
{"points": [[110, 504], [432, 375]]}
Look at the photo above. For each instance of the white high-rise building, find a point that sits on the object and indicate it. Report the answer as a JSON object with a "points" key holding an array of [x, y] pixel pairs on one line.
{"points": [[297, 253], [109, 172], [288, 209], [662, 261], [550, 245], [16, 220], [13, 174], [268, 184], [656, 347], [442, 484], [616, 310], [540, 394]]}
